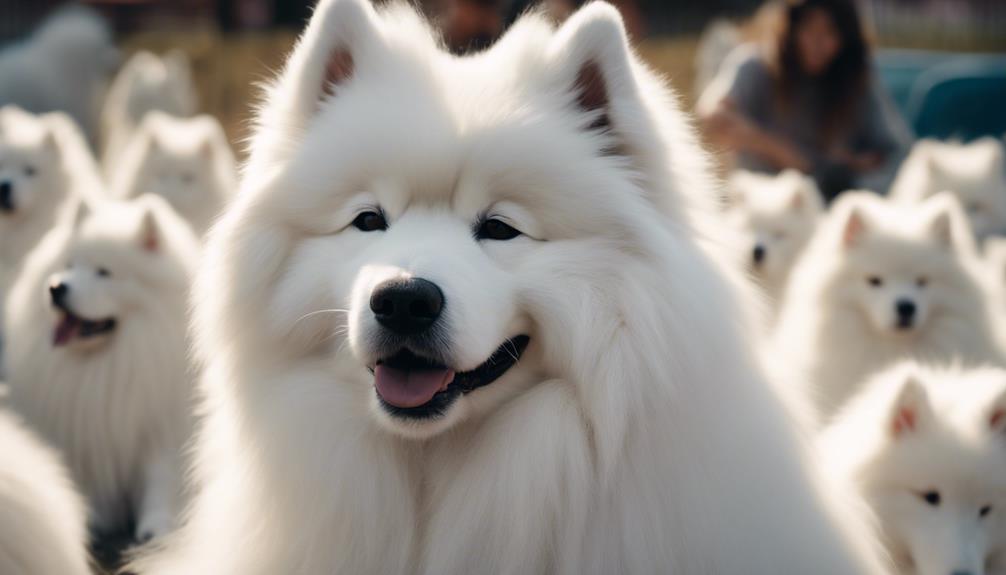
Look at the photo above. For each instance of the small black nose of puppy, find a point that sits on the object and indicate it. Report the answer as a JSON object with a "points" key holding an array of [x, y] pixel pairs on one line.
{"points": [[906, 312], [758, 254], [6, 196], [407, 306], [57, 293]]}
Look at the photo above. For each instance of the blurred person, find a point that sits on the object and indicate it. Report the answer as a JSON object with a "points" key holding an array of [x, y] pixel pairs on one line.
{"points": [[808, 100], [471, 25]]}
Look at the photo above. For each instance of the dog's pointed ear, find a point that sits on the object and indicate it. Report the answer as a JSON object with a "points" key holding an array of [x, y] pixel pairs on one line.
{"points": [[995, 414], [593, 61], [326, 56], [148, 235], [81, 211], [910, 411], [854, 227], [948, 226]]}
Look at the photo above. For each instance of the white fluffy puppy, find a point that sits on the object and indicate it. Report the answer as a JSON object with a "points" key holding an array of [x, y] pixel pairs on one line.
{"points": [[45, 166], [97, 356], [64, 65], [459, 320], [147, 82], [42, 517], [975, 172], [775, 216], [880, 282], [187, 161], [925, 449]]}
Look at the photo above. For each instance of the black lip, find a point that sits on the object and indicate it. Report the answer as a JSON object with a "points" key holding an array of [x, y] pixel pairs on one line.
{"points": [[505, 357]]}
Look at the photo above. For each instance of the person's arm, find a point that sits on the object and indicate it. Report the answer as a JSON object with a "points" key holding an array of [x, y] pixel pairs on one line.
{"points": [[730, 129]]}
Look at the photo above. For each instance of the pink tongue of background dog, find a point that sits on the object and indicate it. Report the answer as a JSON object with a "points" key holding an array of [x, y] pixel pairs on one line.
{"points": [[410, 388], [66, 329]]}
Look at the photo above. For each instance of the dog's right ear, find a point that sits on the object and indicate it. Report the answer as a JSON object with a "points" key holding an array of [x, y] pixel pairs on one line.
{"points": [[910, 410], [326, 56]]}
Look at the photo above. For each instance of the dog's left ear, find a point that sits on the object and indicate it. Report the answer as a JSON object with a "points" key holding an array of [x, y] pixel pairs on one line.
{"points": [[995, 414], [594, 63], [910, 410]]}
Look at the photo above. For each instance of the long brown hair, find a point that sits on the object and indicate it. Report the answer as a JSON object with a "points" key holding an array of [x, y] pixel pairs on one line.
{"points": [[843, 83]]}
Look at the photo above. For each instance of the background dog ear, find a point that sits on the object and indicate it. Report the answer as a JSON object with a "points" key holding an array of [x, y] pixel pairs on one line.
{"points": [[594, 63], [149, 233], [854, 227], [910, 410], [81, 211], [949, 225]]}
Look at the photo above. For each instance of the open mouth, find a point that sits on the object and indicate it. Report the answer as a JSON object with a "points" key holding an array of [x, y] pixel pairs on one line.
{"points": [[412, 386], [71, 327]]}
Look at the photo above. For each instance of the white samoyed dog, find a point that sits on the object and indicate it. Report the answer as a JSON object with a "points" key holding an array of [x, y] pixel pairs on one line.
{"points": [[45, 166], [98, 356], [64, 65], [458, 320], [775, 217], [975, 172], [185, 160], [995, 266], [147, 82], [42, 517], [880, 282], [925, 449]]}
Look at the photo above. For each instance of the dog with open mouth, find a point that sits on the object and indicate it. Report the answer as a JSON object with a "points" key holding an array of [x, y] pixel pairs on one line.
{"points": [[460, 318], [98, 358]]}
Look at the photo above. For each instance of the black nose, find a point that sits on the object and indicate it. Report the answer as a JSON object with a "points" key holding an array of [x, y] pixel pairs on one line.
{"points": [[6, 196], [758, 254], [57, 293], [906, 311], [407, 306]]}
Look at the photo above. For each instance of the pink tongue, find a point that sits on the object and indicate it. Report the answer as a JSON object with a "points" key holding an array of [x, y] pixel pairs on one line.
{"points": [[411, 388], [66, 329]]}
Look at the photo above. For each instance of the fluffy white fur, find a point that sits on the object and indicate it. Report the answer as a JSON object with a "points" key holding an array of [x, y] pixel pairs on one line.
{"points": [[870, 256], [975, 172], [775, 216], [63, 65], [925, 449], [635, 435], [117, 404], [45, 165], [147, 82], [187, 161], [42, 517]]}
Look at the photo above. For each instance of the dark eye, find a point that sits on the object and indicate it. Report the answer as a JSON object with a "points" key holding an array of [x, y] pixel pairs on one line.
{"points": [[984, 511], [29, 171], [370, 222], [494, 229], [103, 272], [922, 282], [875, 281], [931, 497]]}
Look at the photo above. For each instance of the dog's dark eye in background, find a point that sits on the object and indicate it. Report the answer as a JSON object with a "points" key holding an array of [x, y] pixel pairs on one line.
{"points": [[875, 281], [931, 497], [984, 511], [370, 221], [103, 273], [29, 171], [494, 229]]}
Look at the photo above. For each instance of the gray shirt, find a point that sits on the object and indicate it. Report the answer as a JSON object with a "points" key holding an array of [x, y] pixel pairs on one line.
{"points": [[874, 127]]}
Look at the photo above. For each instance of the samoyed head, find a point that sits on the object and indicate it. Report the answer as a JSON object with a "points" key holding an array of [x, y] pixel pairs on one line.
{"points": [[426, 219], [151, 82], [186, 161], [31, 166], [775, 215], [928, 457], [975, 173], [112, 269], [898, 265]]}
